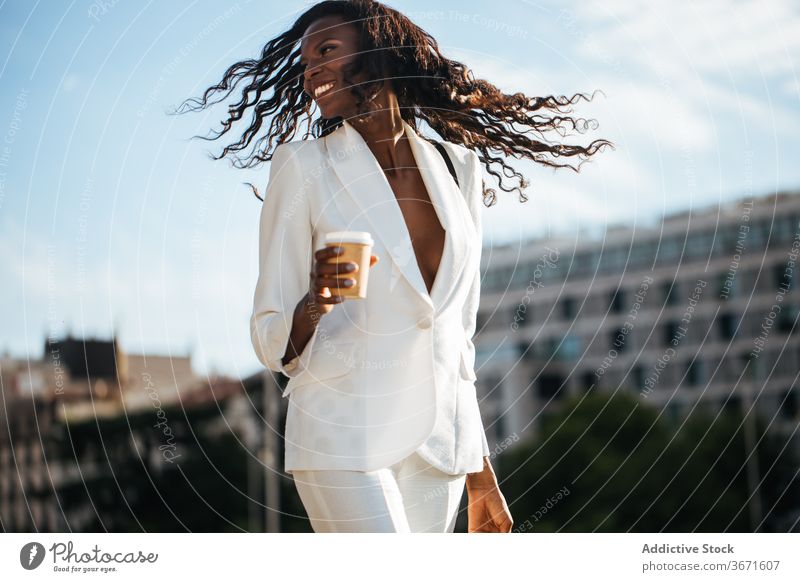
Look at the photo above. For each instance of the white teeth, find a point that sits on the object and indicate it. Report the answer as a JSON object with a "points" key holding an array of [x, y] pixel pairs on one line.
{"points": [[322, 89]]}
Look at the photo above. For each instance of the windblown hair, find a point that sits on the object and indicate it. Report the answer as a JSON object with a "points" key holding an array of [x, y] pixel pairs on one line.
{"points": [[429, 86]]}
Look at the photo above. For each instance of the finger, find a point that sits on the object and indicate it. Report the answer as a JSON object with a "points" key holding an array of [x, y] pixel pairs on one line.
{"points": [[344, 268], [505, 525], [486, 526], [323, 295], [335, 282], [332, 300], [326, 253], [504, 520]]}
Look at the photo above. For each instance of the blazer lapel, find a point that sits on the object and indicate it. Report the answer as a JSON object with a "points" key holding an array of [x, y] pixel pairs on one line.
{"points": [[363, 179], [453, 212]]}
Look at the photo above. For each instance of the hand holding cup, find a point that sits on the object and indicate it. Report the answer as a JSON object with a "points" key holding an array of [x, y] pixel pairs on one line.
{"points": [[336, 273]]}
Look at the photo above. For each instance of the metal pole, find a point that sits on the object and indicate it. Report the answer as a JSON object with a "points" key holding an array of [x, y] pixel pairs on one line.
{"points": [[252, 487], [272, 491], [748, 411]]}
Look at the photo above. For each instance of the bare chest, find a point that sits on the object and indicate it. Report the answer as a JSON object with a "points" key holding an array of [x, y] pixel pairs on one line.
{"points": [[422, 222]]}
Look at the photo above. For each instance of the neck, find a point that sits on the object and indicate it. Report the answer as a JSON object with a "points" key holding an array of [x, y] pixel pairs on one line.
{"points": [[384, 133]]}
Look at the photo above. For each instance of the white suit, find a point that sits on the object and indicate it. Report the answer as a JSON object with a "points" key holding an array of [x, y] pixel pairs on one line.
{"points": [[393, 373]]}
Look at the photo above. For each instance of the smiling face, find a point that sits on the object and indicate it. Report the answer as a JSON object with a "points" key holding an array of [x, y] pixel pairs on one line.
{"points": [[328, 49]]}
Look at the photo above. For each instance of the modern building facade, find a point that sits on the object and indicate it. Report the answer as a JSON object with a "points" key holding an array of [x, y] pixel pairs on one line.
{"points": [[701, 310]]}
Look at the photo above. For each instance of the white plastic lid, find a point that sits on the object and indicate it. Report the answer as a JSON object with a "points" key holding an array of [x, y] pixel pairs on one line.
{"points": [[348, 236]]}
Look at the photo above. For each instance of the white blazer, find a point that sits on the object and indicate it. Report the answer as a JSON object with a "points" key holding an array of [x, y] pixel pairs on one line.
{"points": [[393, 373]]}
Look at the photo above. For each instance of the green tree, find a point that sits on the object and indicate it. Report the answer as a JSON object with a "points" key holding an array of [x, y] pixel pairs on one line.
{"points": [[627, 469]]}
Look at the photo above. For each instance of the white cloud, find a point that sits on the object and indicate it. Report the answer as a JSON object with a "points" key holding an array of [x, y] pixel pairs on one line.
{"points": [[710, 54], [711, 35], [71, 81], [791, 88]]}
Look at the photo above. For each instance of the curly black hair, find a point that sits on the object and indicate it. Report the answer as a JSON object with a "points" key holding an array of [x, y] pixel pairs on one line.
{"points": [[429, 86]]}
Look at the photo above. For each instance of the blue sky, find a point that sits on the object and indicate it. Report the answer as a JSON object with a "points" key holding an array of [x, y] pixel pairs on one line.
{"points": [[114, 219]]}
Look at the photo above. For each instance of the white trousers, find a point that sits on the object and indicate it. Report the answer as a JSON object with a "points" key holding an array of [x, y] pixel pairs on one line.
{"points": [[407, 497]]}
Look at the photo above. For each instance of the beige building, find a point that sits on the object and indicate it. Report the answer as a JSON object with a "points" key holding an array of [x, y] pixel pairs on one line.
{"points": [[76, 379]]}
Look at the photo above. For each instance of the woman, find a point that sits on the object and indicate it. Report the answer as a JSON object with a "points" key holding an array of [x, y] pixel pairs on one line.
{"points": [[383, 430]]}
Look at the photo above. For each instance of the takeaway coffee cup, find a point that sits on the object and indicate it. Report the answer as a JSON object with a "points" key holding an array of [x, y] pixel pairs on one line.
{"points": [[357, 247]]}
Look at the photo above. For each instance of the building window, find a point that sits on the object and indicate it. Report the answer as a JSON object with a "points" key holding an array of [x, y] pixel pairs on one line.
{"points": [[777, 274], [520, 315], [790, 403], [694, 372], [501, 429], [519, 277], [787, 318], [545, 348], [644, 253], [744, 359], [619, 258], [587, 381], [752, 371], [728, 284], [638, 259], [762, 234], [706, 243], [670, 332], [783, 277], [568, 307], [480, 321], [637, 377], [670, 251], [580, 264], [784, 227], [619, 340], [549, 386], [570, 347], [699, 244], [669, 292], [728, 323], [617, 299]]}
